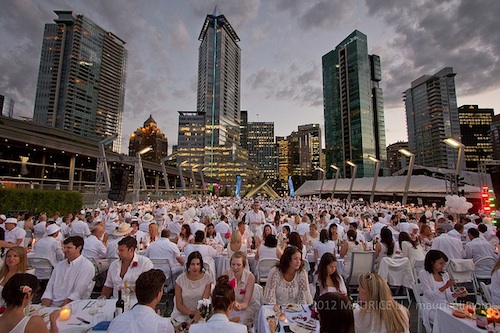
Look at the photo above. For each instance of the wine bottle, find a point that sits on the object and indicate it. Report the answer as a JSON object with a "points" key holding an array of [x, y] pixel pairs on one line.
{"points": [[120, 304], [481, 319]]}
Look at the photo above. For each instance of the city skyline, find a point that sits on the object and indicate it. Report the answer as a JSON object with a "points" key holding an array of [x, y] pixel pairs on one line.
{"points": [[282, 44]]}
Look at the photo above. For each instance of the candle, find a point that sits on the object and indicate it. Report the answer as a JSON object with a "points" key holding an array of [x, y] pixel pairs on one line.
{"points": [[65, 313]]}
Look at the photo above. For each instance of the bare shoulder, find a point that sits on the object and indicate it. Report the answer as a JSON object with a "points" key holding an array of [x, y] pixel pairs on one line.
{"points": [[36, 325]]}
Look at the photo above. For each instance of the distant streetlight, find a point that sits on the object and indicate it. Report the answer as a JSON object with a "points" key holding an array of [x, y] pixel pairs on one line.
{"points": [[139, 178], [164, 170], [354, 170], [377, 169], [456, 144], [409, 154], [181, 175], [322, 180], [337, 172]]}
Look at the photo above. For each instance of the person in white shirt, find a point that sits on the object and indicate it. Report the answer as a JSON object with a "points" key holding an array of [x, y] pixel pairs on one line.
{"points": [[163, 248], [457, 231], [136, 233], [126, 269], [80, 227], [255, 218], [197, 225], [223, 300], [207, 252], [70, 278], [245, 236], [2, 220], [303, 226], [469, 224], [142, 318], [478, 247], [14, 236], [223, 229], [40, 225], [450, 246], [94, 248], [376, 227], [324, 245], [49, 247]]}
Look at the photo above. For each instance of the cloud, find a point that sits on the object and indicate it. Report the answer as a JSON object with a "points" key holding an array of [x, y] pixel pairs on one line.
{"points": [[431, 35]]}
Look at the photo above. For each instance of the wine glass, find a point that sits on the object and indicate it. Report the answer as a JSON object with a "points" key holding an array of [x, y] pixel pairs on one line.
{"points": [[93, 309], [101, 302]]}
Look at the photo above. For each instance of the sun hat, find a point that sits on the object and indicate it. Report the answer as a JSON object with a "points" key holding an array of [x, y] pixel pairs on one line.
{"points": [[11, 220], [147, 217], [3, 217], [52, 229], [123, 229]]}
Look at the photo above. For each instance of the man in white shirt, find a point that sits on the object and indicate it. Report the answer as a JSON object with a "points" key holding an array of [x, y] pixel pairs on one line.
{"points": [[71, 278], [376, 227], [303, 226], [14, 236], [80, 227], [139, 235], [130, 263], [49, 247], [163, 248], [457, 231], [469, 224], [223, 229], [197, 225], [450, 246], [255, 219], [478, 247], [245, 236], [40, 226], [94, 248], [142, 318]]}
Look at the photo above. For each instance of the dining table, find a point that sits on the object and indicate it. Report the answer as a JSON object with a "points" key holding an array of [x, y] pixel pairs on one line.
{"points": [[296, 314], [446, 322]]}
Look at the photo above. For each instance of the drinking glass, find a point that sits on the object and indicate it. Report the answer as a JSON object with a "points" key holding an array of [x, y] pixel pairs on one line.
{"points": [[101, 302], [93, 309]]}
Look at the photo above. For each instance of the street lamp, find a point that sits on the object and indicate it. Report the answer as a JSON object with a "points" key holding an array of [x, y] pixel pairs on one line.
{"points": [[377, 169], [409, 154], [337, 172], [456, 144], [354, 170], [181, 175], [322, 180], [164, 170], [139, 178]]}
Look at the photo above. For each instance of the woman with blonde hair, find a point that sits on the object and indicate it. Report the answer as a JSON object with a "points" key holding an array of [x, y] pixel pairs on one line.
{"points": [[16, 261], [495, 284], [378, 311], [236, 244]]}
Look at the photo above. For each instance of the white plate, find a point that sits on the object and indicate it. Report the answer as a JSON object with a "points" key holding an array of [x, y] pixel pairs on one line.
{"points": [[293, 308], [299, 329]]}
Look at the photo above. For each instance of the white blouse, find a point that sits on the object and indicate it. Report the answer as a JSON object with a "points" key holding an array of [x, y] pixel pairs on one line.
{"points": [[280, 291]]}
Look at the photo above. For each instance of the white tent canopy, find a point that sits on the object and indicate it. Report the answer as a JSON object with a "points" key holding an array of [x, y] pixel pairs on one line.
{"points": [[421, 186]]}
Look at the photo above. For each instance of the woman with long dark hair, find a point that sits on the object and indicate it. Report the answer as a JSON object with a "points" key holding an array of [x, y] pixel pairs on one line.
{"points": [[327, 278]]}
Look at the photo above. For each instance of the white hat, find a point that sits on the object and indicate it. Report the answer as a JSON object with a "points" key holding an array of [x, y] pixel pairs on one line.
{"points": [[123, 229], [52, 229], [147, 217], [11, 220], [3, 217]]}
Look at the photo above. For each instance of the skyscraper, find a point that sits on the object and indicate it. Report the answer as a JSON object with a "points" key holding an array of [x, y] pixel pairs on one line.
{"points": [[218, 103], [475, 129], [6, 106], [81, 79], [394, 157], [262, 149], [353, 106], [431, 117], [149, 135]]}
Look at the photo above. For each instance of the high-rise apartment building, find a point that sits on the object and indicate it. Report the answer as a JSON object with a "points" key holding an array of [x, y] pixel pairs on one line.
{"points": [[6, 106], [262, 149], [394, 157], [475, 129], [81, 79], [244, 129], [495, 137], [353, 106], [431, 117], [149, 135], [218, 104]]}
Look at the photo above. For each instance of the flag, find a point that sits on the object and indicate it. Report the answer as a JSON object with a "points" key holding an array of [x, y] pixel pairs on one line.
{"points": [[238, 185], [290, 185]]}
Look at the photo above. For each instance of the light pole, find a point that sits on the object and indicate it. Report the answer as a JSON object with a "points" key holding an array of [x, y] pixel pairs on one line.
{"points": [[183, 183], [456, 144], [337, 172], [377, 169], [164, 170], [322, 180], [354, 170], [139, 178], [409, 154]]}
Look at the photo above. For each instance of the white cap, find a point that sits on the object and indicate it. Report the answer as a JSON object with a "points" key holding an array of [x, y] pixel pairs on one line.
{"points": [[11, 220], [3, 217], [52, 229]]}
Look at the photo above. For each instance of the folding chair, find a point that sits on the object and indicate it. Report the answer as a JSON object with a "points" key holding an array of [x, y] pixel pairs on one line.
{"points": [[462, 272], [361, 262], [263, 268], [484, 266], [164, 266], [485, 288], [43, 267], [398, 274], [417, 267], [422, 322]]}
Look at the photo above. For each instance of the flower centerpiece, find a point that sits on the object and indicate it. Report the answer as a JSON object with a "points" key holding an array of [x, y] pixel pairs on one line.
{"points": [[205, 308]]}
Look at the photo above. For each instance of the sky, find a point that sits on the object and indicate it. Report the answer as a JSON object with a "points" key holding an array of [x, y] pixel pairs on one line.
{"points": [[282, 42]]}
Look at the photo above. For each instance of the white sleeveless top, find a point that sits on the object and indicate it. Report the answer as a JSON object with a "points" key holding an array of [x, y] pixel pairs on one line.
{"points": [[19, 328]]}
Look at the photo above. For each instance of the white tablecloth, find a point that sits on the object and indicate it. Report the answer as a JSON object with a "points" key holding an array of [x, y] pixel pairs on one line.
{"points": [[262, 325], [446, 322]]}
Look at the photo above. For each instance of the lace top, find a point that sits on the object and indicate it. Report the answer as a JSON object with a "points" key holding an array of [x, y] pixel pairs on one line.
{"points": [[280, 291], [192, 292]]}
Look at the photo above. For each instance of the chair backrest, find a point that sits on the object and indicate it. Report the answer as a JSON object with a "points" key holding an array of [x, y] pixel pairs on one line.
{"points": [[461, 270], [361, 262], [484, 267], [306, 265], [396, 271], [43, 267], [486, 291], [417, 267], [157, 262], [258, 292], [263, 268]]}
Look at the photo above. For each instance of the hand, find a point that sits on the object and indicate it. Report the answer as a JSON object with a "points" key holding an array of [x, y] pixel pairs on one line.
{"points": [[449, 283], [54, 315]]}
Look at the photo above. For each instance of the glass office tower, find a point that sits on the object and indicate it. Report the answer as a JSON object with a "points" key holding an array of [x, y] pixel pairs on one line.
{"points": [[353, 106], [81, 79]]}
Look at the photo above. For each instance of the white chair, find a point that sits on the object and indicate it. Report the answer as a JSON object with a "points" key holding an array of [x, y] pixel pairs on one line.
{"points": [[398, 274], [43, 267], [263, 268], [462, 272], [485, 288], [164, 266], [417, 292], [417, 267], [361, 262], [484, 266]]}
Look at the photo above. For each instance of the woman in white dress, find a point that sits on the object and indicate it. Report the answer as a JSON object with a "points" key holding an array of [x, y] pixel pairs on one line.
{"points": [[348, 247], [243, 282], [268, 250], [18, 293], [386, 247], [287, 282], [185, 237], [311, 236], [327, 278], [235, 244], [16, 261], [190, 287], [323, 245], [378, 311], [207, 252], [410, 248]]}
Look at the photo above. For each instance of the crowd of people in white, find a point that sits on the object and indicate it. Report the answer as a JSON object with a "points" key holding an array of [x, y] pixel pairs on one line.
{"points": [[120, 243]]}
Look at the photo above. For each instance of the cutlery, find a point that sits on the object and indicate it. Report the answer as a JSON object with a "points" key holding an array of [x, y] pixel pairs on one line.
{"points": [[83, 320], [87, 305]]}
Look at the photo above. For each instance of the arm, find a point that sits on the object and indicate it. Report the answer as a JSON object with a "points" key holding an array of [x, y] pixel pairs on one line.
{"points": [[304, 291], [378, 249], [248, 293], [344, 248], [179, 302], [316, 255], [106, 291], [427, 287], [81, 285], [271, 284]]}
